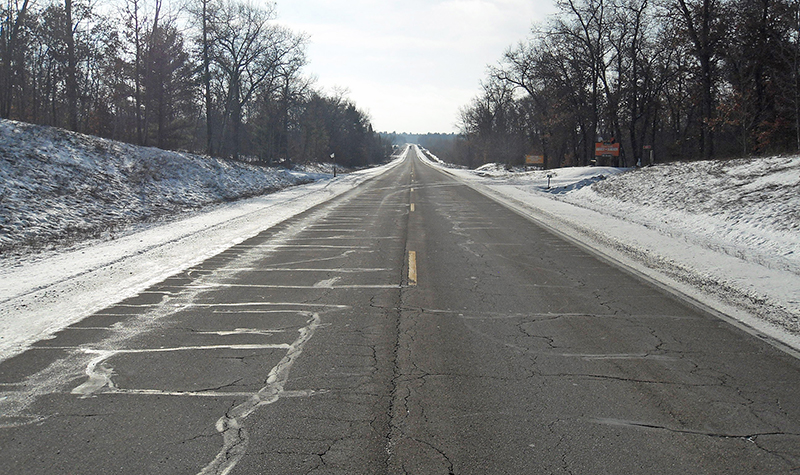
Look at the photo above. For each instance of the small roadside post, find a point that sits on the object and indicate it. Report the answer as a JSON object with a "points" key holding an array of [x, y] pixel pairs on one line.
{"points": [[333, 158], [649, 148]]}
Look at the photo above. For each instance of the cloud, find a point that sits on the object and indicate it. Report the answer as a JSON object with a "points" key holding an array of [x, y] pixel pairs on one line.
{"points": [[392, 53]]}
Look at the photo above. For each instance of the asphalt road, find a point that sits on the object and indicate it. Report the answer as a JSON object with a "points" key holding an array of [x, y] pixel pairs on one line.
{"points": [[410, 326]]}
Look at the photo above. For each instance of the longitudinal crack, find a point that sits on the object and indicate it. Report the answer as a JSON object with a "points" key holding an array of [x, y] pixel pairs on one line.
{"points": [[721, 435]]}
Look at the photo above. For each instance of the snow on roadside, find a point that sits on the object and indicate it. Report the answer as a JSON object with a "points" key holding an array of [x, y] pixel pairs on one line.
{"points": [[745, 208], [42, 296], [724, 233], [55, 182], [60, 187]]}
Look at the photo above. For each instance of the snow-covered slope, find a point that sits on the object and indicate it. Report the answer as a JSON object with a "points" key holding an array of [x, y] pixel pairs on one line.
{"points": [[87, 222], [57, 186], [748, 208], [724, 233]]}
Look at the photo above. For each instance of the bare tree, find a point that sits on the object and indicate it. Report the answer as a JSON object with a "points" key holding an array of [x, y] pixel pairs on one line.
{"points": [[205, 27], [72, 66], [240, 32], [11, 22], [282, 90], [134, 20], [583, 28], [701, 21]]}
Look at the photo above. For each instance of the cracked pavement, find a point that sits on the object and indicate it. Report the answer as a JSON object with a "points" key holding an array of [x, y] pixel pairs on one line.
{"points": [[307, 350]]}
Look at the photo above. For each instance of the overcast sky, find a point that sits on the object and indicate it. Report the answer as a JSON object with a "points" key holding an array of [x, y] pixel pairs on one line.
{"points": [[411, 64]]}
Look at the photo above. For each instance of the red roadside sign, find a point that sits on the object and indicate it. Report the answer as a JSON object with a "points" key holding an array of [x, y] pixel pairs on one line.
{"points": [[534, 160], [611, 149]]}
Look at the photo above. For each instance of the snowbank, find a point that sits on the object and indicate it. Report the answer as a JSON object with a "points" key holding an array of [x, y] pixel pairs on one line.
{"points": [[59, 186]]}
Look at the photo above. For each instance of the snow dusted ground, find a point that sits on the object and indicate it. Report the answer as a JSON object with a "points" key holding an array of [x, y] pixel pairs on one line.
{"points": [[724, 234], [59, 186], [110, 219]]}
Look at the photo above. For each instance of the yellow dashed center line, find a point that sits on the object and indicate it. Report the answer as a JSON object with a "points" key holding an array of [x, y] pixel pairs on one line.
{"points": [[412, 268], [412, 207]]}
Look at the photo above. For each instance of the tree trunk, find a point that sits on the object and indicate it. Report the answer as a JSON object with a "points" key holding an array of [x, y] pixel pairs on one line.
{"points": [[9, 48], [207, 77], [701, 39], [796, 74], [153, 85], [236, 115], [71, 79], [137, 74]]}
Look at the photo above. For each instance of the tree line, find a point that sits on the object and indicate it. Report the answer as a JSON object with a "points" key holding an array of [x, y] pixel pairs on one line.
{"points": [[220, 77], [685, 79]]}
